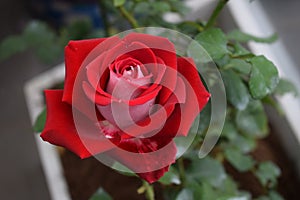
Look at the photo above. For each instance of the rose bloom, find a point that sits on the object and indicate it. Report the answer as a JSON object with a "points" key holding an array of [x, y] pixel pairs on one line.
{"points": [[126, 98]]}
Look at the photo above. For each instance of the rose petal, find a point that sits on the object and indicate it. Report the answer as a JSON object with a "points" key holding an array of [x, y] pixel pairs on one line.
{"points": [[195, 91], [150, 159], [126, 89], [161, 46], [139, 51], [165, 50], [75, 53], [159, 120], [61, 130]]}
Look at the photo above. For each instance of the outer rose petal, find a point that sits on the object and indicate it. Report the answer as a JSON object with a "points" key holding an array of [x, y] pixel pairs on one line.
{"points": [[195, 91], [60, 128], [75, 53]]}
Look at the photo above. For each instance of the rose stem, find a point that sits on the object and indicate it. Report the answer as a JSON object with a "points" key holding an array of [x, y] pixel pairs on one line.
{"points": [[149, 190], [216, 12], [128, 16], [103, 14], [181, 171]]}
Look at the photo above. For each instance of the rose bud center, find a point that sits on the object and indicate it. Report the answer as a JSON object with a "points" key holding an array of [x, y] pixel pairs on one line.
{"points": [[128, 79]]}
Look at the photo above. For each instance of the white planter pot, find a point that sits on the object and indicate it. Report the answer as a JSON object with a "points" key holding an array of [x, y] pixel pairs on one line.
{"points": [[251, 19], [48, 153]]}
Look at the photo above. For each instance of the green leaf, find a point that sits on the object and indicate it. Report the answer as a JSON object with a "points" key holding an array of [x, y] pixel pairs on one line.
{"points": [[222, 62], [179, 6], [170, 193], [44, 41], [49, 52], [40, 121], [101, 195], [204, 121], [229, 131], [208, 192], [79, 29], [284, 87], [273, 195], [198, 53], [252, 121], [236, 91], [267, 173], [240, 36], [160, 7], [118, 3], [239, 50], [189, 27], [12, 45], [206, 169], [142, 8], [214, 41], [264, 77], [236, 140], [122, 169], [243, 144], [185, 194], [229, 187], [238, 160], [38, 33], [241, 197], [239, 65], [170, 177]]}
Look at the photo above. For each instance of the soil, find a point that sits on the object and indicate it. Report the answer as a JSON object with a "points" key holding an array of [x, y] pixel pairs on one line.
{"points": [[84, 177]]}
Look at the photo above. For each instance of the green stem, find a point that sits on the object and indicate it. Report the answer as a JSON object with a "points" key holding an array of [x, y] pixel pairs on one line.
{"points": [[128, 16], [181, 171], [215, 14], [149, 190]]}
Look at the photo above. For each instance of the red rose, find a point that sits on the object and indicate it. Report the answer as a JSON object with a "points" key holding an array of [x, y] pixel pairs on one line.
{"points": [[126, 97]]}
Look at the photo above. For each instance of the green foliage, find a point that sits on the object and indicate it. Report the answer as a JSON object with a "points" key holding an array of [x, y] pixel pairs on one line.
{"points": [[236, 140], [267, 173], [150, 13], [101, 195], [239, 50], [185, 194], [240, 36], [285, 86], [214, 42], [45, 42], [40, 121], [38, 36], [273, 195], [264, 77], [239, 65], [171, 177], [204, 187], [119, 2], [239, 160], [178, 6], [11, 45], [161, 7], [236, 91], [252, 121], [206, 169]]}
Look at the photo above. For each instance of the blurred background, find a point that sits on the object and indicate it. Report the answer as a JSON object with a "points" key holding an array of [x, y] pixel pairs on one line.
{"points": [[21, 175]]}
